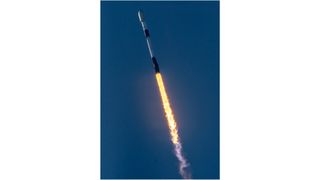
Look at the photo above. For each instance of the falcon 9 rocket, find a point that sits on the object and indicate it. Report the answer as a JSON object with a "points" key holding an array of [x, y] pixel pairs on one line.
{"points": [[147, 35]]}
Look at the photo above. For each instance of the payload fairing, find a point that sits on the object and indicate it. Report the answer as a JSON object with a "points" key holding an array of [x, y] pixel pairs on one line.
{"points": [[147, 35]]}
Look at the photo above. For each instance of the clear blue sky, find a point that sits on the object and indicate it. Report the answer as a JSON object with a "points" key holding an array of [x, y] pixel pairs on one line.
{"points": [[135, 141]]}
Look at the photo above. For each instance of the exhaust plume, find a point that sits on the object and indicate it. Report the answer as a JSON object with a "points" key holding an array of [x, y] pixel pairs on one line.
{"points": [[173, 129]]}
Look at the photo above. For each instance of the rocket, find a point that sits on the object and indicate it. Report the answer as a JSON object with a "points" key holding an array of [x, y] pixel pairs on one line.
{"points": [[147, 35]]}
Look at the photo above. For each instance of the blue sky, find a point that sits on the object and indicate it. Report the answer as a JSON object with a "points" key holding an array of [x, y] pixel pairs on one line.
{"points": [[135, 141]]}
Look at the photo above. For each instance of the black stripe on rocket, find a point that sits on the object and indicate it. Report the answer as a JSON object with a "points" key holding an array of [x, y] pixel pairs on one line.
{"points": [[155, 64], [146, 33]]}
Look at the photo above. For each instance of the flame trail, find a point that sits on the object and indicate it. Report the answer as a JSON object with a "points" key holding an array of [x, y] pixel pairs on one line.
{"points": [[173, 129]]}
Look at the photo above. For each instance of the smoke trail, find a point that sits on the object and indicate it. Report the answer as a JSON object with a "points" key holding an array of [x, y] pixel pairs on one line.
{"points": [[173, 129]]}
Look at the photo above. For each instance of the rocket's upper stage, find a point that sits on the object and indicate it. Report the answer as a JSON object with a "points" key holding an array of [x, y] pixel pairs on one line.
{"points": [[141, 17]]}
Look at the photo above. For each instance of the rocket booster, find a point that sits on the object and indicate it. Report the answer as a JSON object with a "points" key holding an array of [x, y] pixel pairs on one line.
{"points": [[147, 35]]}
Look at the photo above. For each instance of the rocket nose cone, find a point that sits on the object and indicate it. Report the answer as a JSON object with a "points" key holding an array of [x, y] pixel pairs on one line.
{"points": [[140, 14]]}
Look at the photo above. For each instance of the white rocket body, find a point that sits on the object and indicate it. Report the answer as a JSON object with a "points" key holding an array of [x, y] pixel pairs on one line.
{"points": [[147, 35]]}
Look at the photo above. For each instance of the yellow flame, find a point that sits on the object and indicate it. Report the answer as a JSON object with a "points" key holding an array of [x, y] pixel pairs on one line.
{"points": [[167, 108], [173, 129]]}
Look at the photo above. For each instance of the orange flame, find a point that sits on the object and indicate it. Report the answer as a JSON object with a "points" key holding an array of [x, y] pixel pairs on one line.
{"points": [[173, 127]]}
